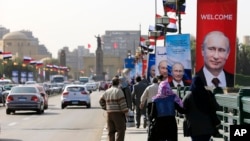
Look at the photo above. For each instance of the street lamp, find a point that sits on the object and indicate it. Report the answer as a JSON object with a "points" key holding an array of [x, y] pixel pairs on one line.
{"points": [[154, 34], [164, 20]]}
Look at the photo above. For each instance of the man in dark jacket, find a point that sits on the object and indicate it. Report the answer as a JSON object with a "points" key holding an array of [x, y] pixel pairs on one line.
{"points": [[137, 92]]}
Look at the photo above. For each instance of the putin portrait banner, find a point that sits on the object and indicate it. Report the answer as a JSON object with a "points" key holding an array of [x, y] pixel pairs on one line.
{"points": [[216, 42], [179, 57]]}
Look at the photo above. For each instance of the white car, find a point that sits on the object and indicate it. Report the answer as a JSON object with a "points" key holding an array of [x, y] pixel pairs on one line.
{"points": [[91, 86], [75, 95]]}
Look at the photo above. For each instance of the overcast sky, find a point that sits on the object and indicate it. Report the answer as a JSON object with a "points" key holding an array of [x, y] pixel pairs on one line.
{"points": [[59, 23]]}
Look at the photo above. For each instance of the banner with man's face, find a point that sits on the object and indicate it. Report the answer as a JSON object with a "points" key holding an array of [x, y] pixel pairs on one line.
{"points": [[216, 41], [179, 59]]}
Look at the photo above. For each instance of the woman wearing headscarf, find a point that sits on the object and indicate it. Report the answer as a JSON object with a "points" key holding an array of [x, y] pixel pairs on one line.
{"points": [[200, 105], [163, 123]]}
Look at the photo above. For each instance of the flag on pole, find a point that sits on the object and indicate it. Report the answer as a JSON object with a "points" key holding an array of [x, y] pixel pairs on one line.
{"points": [[26, 59], [7, 55], [39, 63], [33, 62], [89, 46]]}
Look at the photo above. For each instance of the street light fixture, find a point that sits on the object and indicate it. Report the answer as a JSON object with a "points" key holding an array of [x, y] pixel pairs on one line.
{"points": [[155, 34], [164, 20]]}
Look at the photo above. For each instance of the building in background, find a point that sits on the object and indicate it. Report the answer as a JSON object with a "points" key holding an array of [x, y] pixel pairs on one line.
{"points": [[74, 59], [22, 43], [118, 43], [246, 40]]}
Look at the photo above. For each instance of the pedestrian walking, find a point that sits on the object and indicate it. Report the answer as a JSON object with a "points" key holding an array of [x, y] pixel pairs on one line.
{"points": [[146, 97], [125, 86], [113, 101], [137, 92], [200, 117], [163, 125]]}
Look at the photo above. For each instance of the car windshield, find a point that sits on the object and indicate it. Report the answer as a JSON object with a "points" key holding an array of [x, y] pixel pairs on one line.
{"points": [[23, 90], [75, 89]]}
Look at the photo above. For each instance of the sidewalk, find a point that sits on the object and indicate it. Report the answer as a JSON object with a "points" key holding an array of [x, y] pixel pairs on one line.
{"points": [[140, 134]]}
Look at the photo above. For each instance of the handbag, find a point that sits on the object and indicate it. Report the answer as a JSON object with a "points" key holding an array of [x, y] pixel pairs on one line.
{"points": [[186, 129], [130, 119]]}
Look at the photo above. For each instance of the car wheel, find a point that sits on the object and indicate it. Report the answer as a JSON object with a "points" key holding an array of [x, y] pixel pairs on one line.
{"points": [[41, 110], [63, 106], [89, 105], [8, 111]]}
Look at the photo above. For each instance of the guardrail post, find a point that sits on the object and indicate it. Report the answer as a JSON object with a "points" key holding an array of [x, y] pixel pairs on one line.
{"points": [[243, 92]]}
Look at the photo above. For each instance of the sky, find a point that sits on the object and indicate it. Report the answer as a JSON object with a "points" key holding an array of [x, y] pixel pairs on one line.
{"points": [[60, 23]]}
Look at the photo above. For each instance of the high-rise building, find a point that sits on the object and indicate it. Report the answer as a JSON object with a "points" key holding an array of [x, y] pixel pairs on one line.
{"points": [[118, 43]]}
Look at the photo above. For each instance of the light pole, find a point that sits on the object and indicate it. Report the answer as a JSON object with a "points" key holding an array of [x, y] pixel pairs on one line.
{"points": [[154, 34], [164, 20]]}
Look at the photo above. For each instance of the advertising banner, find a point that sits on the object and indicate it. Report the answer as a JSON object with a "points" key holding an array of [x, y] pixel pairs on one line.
{"points": [[129, 63], [151, 67], [179, 60], [216, 41], [161, 61], [15, 76]]}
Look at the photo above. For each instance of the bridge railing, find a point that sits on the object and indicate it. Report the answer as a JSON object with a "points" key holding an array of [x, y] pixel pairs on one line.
{"points": [[234, 108]]}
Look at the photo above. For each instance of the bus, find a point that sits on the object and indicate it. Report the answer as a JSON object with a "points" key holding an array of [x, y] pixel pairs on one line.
{"points": [[57, 79]]}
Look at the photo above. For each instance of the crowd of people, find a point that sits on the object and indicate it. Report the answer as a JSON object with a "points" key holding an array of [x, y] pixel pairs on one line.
{"points": [[157, 103]]}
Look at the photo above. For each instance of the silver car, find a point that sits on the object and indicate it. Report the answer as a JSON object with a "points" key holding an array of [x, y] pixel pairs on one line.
{"points": [[24, 97], [75, 95]]}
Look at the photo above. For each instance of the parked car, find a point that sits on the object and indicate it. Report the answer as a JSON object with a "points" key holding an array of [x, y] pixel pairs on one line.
{"points": [[24, 97], [76, 95]]}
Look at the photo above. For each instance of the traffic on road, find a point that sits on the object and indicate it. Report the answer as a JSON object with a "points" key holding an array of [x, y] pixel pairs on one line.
{"points": [[74, 122]]}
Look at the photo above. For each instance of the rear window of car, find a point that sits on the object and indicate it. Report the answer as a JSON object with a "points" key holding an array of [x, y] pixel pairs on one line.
{"points": [[75, 89], [23, 90]]}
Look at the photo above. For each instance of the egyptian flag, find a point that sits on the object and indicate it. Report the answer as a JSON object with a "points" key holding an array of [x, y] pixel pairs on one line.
{"points": [[39, 63], [142, 40], [7, 55], [33, 62], [55, 67], [49, 66], [26, 59]]}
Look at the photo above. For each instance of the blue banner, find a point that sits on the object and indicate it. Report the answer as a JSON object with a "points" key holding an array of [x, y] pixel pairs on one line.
{"points": [[129, 63], [179, 52]]}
